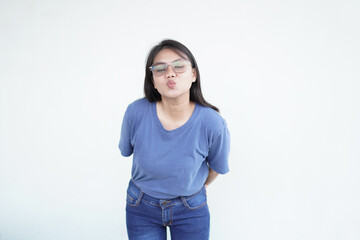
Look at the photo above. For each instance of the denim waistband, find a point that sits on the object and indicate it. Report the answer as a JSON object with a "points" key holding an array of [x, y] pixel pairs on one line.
{"points": [[156, 201]]}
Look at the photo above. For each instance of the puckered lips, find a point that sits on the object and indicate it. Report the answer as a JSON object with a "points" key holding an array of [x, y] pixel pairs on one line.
{"points": [[171, 83]]}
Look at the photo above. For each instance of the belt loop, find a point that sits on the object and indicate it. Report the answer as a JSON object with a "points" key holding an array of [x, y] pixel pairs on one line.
{"points": [[183, 200]]}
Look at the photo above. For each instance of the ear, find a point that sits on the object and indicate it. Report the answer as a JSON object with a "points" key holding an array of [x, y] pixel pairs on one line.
{"points": [[194, 75]]}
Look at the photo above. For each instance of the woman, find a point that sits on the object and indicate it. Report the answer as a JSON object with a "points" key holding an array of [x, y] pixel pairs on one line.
{"points": [[179, 144]]}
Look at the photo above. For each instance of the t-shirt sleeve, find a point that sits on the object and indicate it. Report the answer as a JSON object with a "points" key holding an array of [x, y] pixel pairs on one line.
{"points": [[125, 145], [219, 152]]}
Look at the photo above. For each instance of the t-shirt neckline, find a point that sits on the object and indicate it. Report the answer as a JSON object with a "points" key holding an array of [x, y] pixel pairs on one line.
{"points": [[176, 130]]}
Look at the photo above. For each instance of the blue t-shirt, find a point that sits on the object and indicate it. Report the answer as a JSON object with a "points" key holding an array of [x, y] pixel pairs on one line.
{"points": [[168, 164]]}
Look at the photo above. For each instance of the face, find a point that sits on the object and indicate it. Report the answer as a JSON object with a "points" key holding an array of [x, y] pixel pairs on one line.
{"points": [[174, 84]]}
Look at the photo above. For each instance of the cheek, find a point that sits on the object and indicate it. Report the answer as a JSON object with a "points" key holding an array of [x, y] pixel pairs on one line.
{"points": [[156, 83], [189, 78]]}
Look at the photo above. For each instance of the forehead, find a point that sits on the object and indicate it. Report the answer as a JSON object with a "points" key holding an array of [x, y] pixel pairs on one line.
{"points": [[167, 55]]}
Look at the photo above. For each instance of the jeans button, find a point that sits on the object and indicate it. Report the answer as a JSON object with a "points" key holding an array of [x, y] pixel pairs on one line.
{"points": [[165, 202]]}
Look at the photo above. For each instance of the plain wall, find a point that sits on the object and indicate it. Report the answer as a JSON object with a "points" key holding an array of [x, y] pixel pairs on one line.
{"points": [[285, 75]]}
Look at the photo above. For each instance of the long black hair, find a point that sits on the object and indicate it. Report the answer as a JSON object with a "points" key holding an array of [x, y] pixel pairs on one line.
{"points": [[195, 91]]}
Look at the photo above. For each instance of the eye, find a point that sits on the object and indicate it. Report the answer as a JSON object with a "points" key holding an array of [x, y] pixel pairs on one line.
{"points": [[159, 68], [179, 64]]}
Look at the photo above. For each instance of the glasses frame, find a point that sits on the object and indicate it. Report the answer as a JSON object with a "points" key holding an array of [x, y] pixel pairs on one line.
{"points": [[169, 64]]}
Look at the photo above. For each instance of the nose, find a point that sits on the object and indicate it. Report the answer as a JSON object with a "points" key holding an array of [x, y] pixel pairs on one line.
{"points": [[170, 72]]}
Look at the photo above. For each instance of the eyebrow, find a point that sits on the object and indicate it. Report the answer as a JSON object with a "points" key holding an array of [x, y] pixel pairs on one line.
{"points": [[156, 63]]}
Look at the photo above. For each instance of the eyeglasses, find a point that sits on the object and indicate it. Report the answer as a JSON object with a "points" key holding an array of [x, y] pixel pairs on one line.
{"points": [[179, 66]]}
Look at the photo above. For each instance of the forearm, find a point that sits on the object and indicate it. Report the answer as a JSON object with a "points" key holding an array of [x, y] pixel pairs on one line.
{"points": [[211, 177]]}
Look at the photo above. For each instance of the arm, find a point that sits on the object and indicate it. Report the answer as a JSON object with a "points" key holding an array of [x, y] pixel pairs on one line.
{"points": [[211, 177]]}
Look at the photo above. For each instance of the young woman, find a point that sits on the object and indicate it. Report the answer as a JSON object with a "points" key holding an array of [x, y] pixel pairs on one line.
{"points": [[179, 144]]}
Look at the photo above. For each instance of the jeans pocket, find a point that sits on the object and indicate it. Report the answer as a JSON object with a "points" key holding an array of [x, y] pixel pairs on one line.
{"points": [[195, 201], [133, 195]]}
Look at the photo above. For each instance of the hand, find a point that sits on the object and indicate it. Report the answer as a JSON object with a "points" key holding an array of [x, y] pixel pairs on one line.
{"points": [[211, 177]]}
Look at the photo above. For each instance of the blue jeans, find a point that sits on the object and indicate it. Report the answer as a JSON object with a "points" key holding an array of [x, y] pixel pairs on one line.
{"points": [[147, 217]]}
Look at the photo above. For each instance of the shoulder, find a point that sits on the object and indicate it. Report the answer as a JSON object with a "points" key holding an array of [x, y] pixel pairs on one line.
{"points": [[139, 103], [211, 120], [136, 108]]}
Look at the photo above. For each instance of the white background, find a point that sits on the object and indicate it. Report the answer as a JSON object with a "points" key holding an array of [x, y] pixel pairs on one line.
{"points": [[285, 75]]}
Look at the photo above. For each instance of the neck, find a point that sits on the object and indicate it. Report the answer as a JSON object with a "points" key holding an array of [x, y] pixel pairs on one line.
{"points": [[175, 108], [174, 112]]}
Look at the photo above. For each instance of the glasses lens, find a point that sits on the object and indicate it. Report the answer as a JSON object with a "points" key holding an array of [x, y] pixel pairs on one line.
{"points": [[179, 66], [159, 69]]}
